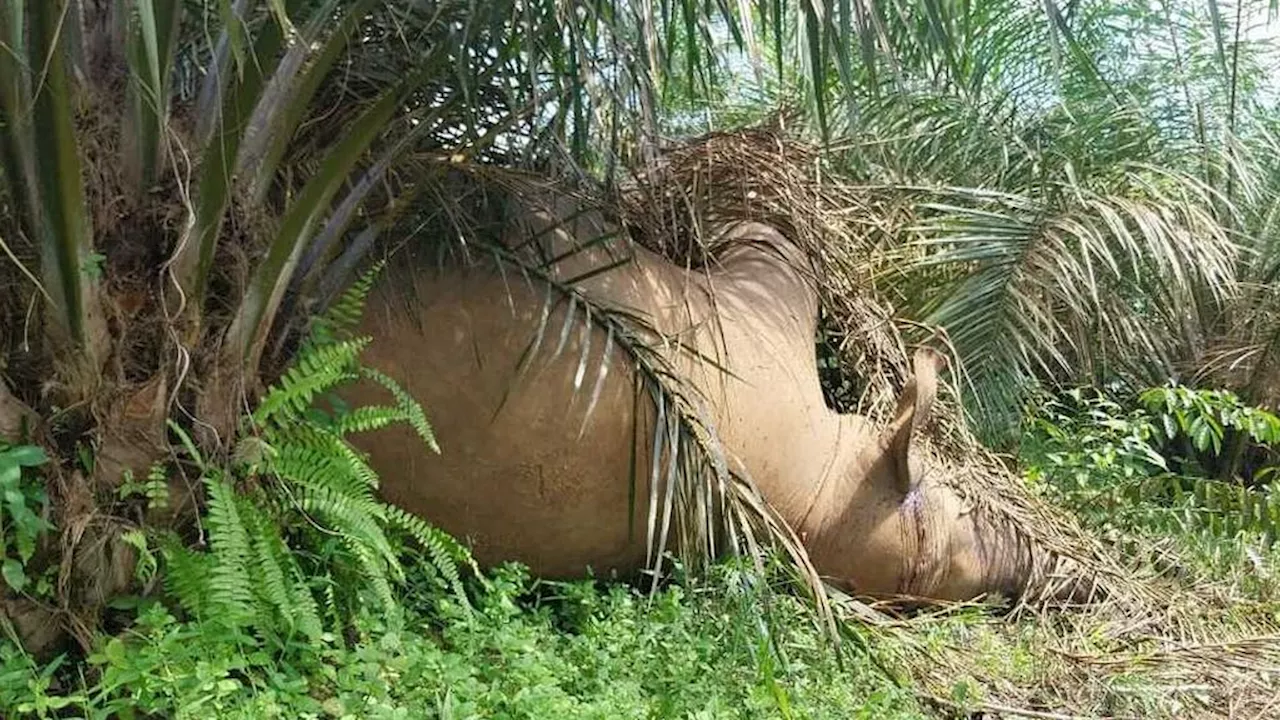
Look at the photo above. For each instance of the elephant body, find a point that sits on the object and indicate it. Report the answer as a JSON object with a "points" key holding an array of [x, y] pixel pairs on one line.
{"points": [[546, 459]]}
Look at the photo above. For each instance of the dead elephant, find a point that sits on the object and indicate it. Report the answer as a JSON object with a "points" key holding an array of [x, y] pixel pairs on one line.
{"points": [[521, 477]]}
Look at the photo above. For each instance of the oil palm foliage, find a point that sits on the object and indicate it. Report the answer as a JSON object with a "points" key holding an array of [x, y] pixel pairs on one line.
{"points": [[1081, 190]]}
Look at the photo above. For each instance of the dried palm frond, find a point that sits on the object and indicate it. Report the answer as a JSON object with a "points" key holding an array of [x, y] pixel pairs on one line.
{"points": [[1201, 655]]}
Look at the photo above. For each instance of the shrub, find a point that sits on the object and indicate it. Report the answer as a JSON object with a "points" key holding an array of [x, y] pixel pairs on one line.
{"points": [[1148, 468]]}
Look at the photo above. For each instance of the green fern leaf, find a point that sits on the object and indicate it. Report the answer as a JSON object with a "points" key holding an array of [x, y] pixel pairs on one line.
{"points": [[375, 576], [315, 371], [347, 311], [336, 449], [307, 466], [415, 415], [156, 488], [446, 553], [230, 587], [305, 611], [322, 490], [354, 518], [344, 314], [271, 558], [370, 418], [188, 575]]}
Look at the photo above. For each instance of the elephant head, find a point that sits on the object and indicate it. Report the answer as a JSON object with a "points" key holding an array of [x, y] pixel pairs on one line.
{"points": [[893, 521]]}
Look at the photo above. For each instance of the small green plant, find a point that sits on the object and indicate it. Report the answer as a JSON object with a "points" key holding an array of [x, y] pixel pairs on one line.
{"points": [[154, 490], [1210, 432], [22, 505], [29, 690], [1148, 466]]}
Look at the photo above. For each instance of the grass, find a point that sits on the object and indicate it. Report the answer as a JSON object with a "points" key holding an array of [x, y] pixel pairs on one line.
{"points": [[526, 649], [531, 649]]}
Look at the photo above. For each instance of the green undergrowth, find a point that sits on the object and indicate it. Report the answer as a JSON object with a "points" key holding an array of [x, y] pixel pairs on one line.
{"points": [[522, 649], [1184, 479], [504, 645]]}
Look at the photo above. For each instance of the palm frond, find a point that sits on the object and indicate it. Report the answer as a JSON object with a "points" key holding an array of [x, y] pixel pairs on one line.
{"points": [[1050, 289], [227, 99], [44, 171], [153, 34], [288, 96], [248, 331]]}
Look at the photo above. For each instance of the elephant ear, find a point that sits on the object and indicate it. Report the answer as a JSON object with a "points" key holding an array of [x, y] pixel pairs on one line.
{"points": [[914, 406]]}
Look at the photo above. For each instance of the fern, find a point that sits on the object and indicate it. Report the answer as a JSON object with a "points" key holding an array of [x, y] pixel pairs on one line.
{"points": [[230, 590], [147, 563], [156, 488], [329, 594], [446, 553], [188, 575], [305, 610], [345, 313], [335, 446], [350, 516], [414, 414], [374, 575], [316, 370], [370, 418], [308, 466], [309, 538], [271, 563]]}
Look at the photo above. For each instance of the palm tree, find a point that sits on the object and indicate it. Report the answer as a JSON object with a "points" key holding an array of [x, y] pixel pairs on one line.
{"points": [[1084, 192]]}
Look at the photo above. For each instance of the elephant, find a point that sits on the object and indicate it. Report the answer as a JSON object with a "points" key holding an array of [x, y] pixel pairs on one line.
{"points": [[542, 463]]}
